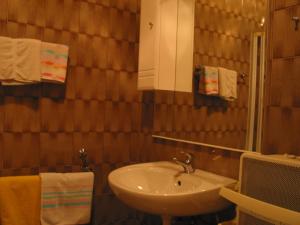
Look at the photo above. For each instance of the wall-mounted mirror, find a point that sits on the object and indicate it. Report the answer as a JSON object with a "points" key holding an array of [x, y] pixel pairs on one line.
{"points": [[230, 34]]}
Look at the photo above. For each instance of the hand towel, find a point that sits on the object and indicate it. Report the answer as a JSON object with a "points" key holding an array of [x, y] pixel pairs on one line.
{"points": [[66, 198], [20, 200], [19, 61], [27, 60], [6, 58], [227, 84], [209, 81], [54, 60]]}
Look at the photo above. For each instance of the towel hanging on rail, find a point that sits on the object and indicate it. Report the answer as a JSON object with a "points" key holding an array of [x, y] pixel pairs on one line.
{"points": [[209, 81], [66, 198]]}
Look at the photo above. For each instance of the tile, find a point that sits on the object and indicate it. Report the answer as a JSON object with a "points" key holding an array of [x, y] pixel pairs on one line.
{"points": [[56, 149], [27, 118], [100, 52], [89, 84], [20, 150], [114, 60], [3, 10], [112, 85], [1, 154], [85, 51], [87, 25], [2, 115], [61, 120], [71, 15], [53, 19], [102, 21], [112, 116], [116, 147], [88, 116]]}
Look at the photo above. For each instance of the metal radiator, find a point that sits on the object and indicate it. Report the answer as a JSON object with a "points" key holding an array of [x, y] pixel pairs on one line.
{"points": [[269, 191]]}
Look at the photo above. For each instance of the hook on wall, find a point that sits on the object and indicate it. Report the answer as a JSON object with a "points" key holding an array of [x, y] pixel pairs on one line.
{"points": [[243, 76]]}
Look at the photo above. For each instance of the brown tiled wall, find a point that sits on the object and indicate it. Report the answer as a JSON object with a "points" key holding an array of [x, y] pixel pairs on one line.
{"points": [[43, 126], [281, 131], [99, 107]]}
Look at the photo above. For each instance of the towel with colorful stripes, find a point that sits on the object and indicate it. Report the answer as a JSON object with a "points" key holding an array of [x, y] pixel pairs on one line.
{"points": [[54, 60], [66, 198], [209, 81]]}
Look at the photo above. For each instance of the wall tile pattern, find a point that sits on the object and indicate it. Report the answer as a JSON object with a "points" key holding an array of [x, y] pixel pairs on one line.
{"points": [[281, 133], [43, 126]]}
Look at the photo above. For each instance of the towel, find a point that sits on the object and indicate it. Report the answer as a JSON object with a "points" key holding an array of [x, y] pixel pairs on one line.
{"points": [[14, 83], [227, 84], [20, 200], [27, 60], [54, 60], [66, 198], [209, 81], [6, 58], [19, 61]]}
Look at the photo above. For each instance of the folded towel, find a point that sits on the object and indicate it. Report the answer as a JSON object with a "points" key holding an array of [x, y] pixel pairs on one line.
{"points": [[6, 58], [66, 198], [209, 81], [54, 60], [27, 60], [227, 84], [19, 61], [20, 200]]}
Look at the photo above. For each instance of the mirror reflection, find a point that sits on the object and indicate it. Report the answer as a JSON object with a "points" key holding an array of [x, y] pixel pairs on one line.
{"points": [[229, 34]]}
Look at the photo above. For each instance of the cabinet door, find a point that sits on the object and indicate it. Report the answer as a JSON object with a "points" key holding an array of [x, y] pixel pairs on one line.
{"points": [[286, 38], [185, 46], [148, 28], [167, 44]]}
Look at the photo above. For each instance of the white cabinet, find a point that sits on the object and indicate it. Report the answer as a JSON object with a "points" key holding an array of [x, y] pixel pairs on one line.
{"points": [[166, 45]]}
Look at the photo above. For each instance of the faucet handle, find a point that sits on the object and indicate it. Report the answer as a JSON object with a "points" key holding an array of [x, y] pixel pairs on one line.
{"points": [[189, 157]]}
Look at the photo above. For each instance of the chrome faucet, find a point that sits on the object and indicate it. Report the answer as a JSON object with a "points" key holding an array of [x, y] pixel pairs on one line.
{"points": [[186, 164]]}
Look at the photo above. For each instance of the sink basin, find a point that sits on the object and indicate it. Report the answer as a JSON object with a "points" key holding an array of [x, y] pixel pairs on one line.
{"points": [[162, 188]]}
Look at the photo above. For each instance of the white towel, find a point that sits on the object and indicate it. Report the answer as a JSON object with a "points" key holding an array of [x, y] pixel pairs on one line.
{"points": [[14, 83], [66, 198], [19, 61], [6, 58], [27, 60], [227, 84]]}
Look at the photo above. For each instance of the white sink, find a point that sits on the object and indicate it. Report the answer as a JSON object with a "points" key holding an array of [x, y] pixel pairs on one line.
{"points": [[162, 188]]}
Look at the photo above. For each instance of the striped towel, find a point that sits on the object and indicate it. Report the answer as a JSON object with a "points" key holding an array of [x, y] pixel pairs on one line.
{"points": [[66, 198], [54, 61], [209, 81]]}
